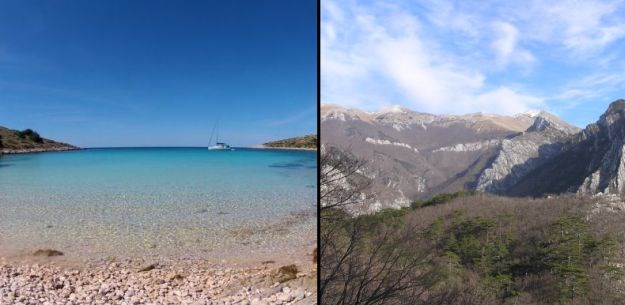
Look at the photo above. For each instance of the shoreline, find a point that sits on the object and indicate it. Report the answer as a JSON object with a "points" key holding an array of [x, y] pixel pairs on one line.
{"points": [[260, 146], [37, 150], [254, 278], [43, 150]]}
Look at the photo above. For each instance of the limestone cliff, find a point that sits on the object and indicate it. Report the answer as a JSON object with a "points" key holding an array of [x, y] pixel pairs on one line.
{"points": [[521, 154], [591, 162]]}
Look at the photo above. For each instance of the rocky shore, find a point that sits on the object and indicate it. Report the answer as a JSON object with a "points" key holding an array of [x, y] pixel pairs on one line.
{"points": [[36, 150], [113, 281], [261, 146]]}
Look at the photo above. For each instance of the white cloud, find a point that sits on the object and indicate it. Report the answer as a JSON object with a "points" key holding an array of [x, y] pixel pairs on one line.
{"points": [[371, 58], [446, 56], [587, 24], [506, 46], [506, 100], [445, 14], [594, 87], [582, 27]]}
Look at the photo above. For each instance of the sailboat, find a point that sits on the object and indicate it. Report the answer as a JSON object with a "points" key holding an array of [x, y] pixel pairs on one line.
{"points": [[218, 145]]}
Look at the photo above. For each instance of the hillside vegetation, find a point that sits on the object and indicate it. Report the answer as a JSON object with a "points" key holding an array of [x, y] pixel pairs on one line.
{"points": [[309, 141], [28, 140], [475, 249], [467, 248]]}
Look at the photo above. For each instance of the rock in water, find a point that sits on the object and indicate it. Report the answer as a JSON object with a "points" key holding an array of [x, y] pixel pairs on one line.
{"points": [[47, 252], [286, 273]]}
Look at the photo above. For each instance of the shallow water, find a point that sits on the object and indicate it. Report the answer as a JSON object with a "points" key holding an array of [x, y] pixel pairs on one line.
{"points": [[167, 202]]}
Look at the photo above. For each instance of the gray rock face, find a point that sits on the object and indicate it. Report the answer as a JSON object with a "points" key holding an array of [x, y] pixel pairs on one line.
{"points": [[590, 162], [412, 155], [609, 177], [521, 154]]}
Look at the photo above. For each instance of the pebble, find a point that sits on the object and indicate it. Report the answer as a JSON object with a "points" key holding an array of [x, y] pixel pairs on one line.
{"points": [[109, 282]]}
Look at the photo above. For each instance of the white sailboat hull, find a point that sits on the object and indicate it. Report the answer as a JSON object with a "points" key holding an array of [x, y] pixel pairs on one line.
{"points": [[220, 146]]}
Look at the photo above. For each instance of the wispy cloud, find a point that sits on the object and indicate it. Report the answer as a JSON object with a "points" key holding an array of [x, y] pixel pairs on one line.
{"points": [[506, 46], [589, 88], [304, 114], [454, 56], [368, 52], [582, 26]]}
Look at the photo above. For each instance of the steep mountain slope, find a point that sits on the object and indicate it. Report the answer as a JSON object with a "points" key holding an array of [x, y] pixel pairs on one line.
{"points": [[13, 141], [519, 155], [591, 162], [411, 155]]}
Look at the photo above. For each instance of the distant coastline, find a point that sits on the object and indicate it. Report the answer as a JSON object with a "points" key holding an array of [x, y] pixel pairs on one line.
{"points": [[61, 149], [307, 142], [262, 146], [36, 150]]}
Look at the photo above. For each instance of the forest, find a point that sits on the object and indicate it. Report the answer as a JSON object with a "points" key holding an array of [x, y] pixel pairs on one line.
{"points": [[467, 248]]}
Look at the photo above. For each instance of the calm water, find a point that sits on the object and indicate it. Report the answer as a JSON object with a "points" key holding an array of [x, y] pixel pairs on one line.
{"points": [[158, 201]]}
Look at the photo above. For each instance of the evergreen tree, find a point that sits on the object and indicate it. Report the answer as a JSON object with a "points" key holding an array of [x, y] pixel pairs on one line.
{"points": [[30, 134], [570, 248]]}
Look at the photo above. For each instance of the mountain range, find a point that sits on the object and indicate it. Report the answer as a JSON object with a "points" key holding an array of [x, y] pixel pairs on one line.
{"points": [[412, 155]]}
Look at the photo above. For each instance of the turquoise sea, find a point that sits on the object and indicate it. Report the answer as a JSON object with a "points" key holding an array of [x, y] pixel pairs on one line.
{"points": [[173, 202]]}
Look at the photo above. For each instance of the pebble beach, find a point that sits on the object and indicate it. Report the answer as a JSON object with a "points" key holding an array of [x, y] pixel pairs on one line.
{"points": [[127, 281], [158, 226]]}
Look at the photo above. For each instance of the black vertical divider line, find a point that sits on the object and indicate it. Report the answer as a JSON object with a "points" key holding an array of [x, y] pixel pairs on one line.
{"points": [[318, 142]]}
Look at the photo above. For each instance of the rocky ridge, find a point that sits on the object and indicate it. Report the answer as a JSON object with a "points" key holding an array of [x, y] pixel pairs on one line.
{"points": [[412, 155], [521, 154], [590, 162]]}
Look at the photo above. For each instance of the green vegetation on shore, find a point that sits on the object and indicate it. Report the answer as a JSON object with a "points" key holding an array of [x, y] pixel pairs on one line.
{"points": [[30, 135], [27, 140], [309, 141]]}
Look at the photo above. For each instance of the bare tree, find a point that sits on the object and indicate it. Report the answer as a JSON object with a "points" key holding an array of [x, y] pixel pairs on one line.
{"points": [[361, 268], [357, 267], [339, 181]]}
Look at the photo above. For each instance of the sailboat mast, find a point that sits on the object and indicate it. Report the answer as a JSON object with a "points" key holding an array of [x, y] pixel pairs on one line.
{"points": [[211, 137]]}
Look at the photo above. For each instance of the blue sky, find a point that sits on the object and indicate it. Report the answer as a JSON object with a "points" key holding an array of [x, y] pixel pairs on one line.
{"points": [[506, 57], [158, 73]]}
